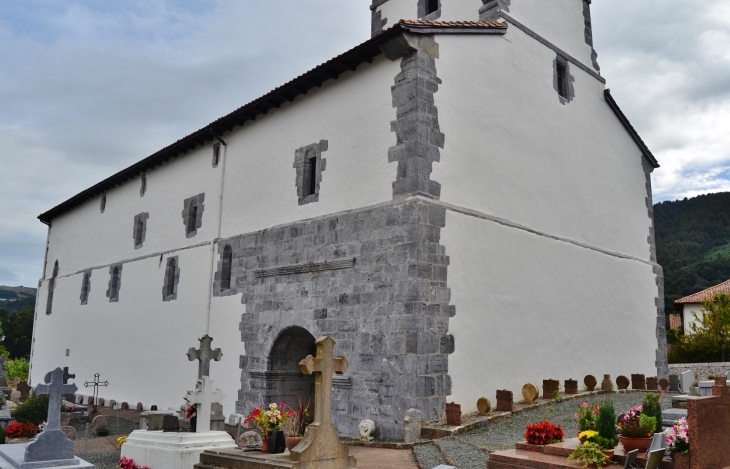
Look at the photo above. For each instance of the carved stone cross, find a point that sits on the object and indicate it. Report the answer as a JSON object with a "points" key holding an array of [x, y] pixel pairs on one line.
{"points": [[321, 445], [204, 355], [55, 390], [204, 396]]}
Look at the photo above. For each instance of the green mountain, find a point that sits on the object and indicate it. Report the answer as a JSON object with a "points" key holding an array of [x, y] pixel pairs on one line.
{"points": [[693, 244], [15, 299]]}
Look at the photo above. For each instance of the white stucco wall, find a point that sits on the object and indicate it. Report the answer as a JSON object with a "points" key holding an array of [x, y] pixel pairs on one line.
{"points": [[514, 151], [689, 319], [529, 308]]}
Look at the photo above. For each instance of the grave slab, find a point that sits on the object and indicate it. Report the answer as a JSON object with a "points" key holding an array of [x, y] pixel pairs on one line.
{"points": [[686, 379], [161, 450], [13, 457], [670, 416]]}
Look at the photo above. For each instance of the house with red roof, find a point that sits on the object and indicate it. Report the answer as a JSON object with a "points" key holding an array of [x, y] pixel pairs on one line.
{"points": [[693, 303]]}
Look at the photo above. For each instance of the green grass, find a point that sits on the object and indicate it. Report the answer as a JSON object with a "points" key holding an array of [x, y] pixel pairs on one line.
{"points": [[718, 251]]}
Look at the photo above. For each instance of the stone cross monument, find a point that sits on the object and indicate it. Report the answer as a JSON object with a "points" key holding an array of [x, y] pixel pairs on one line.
{"points": [[204, 355], [52, 443], [204, 396], [96, 383], [321, 446]]}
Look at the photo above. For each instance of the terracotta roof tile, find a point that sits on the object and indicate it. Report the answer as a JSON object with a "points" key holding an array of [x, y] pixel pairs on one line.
{"points": [[456, 24], [708, 294]]}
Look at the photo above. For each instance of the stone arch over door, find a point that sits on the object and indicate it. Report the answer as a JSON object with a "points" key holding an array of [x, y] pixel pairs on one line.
{"points": [[284, 380]]}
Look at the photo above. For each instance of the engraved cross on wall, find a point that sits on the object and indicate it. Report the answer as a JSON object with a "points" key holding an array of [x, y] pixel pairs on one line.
{"points": [[322, 366], [204, 355], [55, 390]]}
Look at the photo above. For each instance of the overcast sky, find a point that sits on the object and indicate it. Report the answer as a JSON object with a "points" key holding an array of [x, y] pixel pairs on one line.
{"points": [[88, 87]]}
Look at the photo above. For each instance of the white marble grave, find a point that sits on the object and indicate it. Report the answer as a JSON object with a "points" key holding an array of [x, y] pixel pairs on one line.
{"points": [[686, 380], [176, 450]]}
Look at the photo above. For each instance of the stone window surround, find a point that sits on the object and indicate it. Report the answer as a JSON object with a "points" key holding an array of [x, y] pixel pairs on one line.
{"points": [[176, 279], [235, 273], [226, 268], [85, 287], [301, 162], [140, 219], [114, 295], [568, 88], [199, 200]]}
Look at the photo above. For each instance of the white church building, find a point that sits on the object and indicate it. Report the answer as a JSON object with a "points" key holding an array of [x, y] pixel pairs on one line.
{"points": [[459, 202]]}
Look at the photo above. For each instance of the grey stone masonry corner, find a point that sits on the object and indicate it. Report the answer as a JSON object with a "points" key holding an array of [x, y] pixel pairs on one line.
{"points": [[492, 9], [418, 136], [139, 229], [85, 287], [303, 158], [172, 278], [388, 311], [662, 359], [236, 271], [423, 13], [377, 23], [115, 283], [193, 223], [589, 32], [565, 82]]}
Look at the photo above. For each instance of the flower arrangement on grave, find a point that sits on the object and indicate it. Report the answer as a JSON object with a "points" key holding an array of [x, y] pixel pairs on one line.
{"points": [[677, 437], [121, 440], [191, 411], [587, 416], [589, 453], [636, 424], [297, 420], [21, 430], [128, 463], [269, 421], [543, 433], [42, 427]]}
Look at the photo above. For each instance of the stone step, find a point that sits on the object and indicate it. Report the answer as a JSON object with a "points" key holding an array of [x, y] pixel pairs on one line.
{"points": [[238, 459]]}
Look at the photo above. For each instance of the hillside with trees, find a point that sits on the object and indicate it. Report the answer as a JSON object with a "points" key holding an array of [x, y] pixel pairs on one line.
{"points": [[693, 244], [16, 299]]}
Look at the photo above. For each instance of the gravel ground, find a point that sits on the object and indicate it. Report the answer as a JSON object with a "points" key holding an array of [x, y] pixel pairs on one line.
{"points": [[125, 428], [470, 450], [103, 460]]}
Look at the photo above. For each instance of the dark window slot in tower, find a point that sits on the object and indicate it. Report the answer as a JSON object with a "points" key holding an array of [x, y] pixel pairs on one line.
{"points": [[171, 266], [192, 217], [227, 267], [312, 176], [432, 6], [114, 287], [561, 79], [216, 154]]}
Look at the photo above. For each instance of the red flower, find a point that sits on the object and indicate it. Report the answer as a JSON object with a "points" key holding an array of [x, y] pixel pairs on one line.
{"points": [[543, 433]]}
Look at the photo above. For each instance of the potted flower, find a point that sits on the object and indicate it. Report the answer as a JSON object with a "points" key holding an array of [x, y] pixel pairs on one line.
{"points": [[191, 413], [636, 429], [543, 433], [18, 432], [270, 423], [296, 424], [589, 453], [677, 439], [587, 416]]}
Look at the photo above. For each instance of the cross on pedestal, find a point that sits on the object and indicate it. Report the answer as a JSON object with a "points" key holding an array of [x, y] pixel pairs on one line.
{"points": [[55, 390], [204, 396], [321, 442], [204, 355], [96, 383]]}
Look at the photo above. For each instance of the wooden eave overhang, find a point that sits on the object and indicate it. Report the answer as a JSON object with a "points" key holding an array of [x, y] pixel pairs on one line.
{"points": [[332, 69], [630, 128]]}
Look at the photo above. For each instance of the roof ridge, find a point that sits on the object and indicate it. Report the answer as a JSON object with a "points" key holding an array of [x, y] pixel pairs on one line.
{"points": [[699, 293]]}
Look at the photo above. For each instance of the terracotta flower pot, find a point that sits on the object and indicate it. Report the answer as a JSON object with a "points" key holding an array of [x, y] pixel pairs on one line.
{"points": [[630, 444], [608, 453], [292, 441]]}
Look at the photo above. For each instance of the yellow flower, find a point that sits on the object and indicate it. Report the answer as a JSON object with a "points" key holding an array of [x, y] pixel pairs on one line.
{"points": [[121, 440]]}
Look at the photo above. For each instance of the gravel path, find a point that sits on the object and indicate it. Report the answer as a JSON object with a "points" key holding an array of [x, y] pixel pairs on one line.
{"points": [[103, 460], [470, 450]]}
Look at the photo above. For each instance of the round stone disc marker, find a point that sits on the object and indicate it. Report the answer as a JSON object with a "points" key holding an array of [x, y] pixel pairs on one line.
{"points": [[484, 406], [530, 392]]}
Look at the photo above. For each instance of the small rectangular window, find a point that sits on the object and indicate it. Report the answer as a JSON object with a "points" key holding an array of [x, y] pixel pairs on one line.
{"points": [[312, 176], [561, 79], [432, 6], [216, 154]]}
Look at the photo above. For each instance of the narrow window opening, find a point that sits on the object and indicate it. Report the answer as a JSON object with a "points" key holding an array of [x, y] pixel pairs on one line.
{"points": [[85, 288], [227, 268], [170, 280], [138, 231], [51, 288], [561, 79], [192, 217], [312, 175], [432, 6], [114, 290], [143, 189], [103, 203], [216, 154]]}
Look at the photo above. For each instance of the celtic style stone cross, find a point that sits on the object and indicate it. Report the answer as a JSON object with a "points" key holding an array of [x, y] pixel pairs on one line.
{"points": [[204, 355], [52, 444], [321, 444], [204, 396]]}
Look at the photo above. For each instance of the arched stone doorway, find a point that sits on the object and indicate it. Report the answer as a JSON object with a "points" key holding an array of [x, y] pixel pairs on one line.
{"points": [[285, 381]]}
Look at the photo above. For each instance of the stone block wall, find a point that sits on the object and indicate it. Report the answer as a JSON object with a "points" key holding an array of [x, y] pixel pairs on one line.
{"points": [[388, 311]]}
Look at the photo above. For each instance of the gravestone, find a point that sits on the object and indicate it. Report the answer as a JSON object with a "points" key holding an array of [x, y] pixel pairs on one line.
{"points": [[590, 382], [453, 414], [606, 384], [170, 423], [154, 421], [69, 431], [79, 399], [24, 389], [550, 388], [203, 395], [140, 407], [412, 426], [204, 355], [664, 384], [252, 440], [530, 392], [15, 396], [112, 403], [89, 400], [622, 382], [705, 388], [99, 424], [571, 386], [52, 444], [66, 377], [686, 380], [484, 406], [505, 401], [67, 419], [674, 383], [125, 406], [652, 384], [153, 407], [100, 402], [638, 382]]}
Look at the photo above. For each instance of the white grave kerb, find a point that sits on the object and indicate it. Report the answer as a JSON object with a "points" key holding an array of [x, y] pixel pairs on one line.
{"points": [[204, 396]]}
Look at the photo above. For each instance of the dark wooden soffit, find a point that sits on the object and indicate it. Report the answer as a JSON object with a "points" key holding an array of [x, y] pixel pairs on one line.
{"points": [[332, 69], [630, 128]]}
